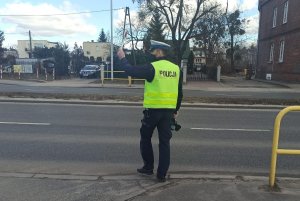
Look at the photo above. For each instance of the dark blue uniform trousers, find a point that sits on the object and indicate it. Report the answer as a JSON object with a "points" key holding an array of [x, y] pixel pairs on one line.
{"points": [[160, 119]]}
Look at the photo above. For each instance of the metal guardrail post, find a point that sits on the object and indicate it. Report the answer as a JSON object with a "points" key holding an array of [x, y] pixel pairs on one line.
{"points": [[46, 75], [218, 73], [129, 81], [102, 74], [275, 150], [53, 74], [184, 69]]}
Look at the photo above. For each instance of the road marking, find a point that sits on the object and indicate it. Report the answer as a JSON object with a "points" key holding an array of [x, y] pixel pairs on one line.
{"points": [[232, 95], [130, 93], [29, 90], [232, 129], [184, 107], [26, 123]]}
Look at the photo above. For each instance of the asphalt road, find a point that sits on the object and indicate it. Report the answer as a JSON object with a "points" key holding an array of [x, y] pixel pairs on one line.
{"points": [[93, 140], [237, 93]]}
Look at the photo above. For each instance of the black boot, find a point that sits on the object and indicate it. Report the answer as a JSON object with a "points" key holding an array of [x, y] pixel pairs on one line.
{"points": [[160, 178], [145, 171]]}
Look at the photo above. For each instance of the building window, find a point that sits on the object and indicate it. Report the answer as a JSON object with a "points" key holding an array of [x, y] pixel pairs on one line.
{"points": [[274, 17], [38, 45], [285, 12], [281, 51], [271, 53], [88, 52]]}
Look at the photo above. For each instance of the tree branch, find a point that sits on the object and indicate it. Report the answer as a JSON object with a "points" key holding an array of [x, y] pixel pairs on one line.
{"points": [[165, 13], [188, 33]]}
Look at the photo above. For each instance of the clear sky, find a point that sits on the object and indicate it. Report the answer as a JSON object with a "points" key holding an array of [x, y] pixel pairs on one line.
{"points": [[82, 27]]}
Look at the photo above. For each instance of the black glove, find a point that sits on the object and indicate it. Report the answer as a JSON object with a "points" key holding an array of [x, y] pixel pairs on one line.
{"points": [[174, 125]]}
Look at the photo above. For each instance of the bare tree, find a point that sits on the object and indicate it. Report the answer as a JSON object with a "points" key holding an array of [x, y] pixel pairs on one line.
{"points": [[139, 29], [209, 34], [180, 17]]}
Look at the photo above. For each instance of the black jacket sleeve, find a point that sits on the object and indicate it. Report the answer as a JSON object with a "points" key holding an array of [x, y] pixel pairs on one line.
{"points": [[180, 94], [146, 71]]}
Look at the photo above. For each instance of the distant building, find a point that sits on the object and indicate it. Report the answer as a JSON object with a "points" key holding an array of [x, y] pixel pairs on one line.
{"points": [[96, 49], [24, 46], [12, 53], [187, 51], [199, 57], [279, 40]]}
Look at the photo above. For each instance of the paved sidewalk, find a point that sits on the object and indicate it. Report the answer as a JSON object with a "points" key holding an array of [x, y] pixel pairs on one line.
{"points": [[180, 187], [227, 83], [238, 83], [233, 85], [222, 190]]}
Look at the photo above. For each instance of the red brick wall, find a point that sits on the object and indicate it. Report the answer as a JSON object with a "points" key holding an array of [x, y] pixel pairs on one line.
{"points": [[289, 69]]}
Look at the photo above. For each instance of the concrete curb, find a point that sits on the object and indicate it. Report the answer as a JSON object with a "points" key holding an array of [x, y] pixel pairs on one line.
{"points": [[176, 176], [273, 83], [66, 177], [139, 104]]}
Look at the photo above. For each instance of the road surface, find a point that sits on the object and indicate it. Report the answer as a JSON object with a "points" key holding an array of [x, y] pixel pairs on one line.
{"points": [[102, 140]]}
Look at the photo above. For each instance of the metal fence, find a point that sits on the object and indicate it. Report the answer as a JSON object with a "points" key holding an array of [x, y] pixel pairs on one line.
{"points": [[275, 149]]}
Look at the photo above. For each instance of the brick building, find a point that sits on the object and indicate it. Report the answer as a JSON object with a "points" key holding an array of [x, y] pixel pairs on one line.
{"points": [[279, 40]]}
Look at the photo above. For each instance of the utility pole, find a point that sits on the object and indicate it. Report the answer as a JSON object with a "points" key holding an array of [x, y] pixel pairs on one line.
{"points": [[111, 41], [30, 45], [127, 13]]}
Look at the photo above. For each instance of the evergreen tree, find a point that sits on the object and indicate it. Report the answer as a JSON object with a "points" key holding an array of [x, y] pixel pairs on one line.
{"points": [[156, 27], [235, 28], [99, 60], [61, 55], [62, 58], [1, 38], [1, 43], [77, 59], [102, 36], [92, 59]]}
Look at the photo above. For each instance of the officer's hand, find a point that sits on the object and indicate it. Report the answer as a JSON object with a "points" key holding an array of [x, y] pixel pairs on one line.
{"points": [[175, 115], [121, 53]]}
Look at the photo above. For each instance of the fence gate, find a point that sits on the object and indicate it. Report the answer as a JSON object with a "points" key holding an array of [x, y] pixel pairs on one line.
{"points": [[196, 76]]}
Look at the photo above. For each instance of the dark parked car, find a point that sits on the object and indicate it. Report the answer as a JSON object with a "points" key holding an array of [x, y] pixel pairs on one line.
{"points": [[90, 71]]}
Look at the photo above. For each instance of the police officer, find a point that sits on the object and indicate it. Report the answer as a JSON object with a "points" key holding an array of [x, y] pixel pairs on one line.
{"points": [[162, 100]]}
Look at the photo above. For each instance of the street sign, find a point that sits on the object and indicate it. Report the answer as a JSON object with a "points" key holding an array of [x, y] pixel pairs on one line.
{"points": [[23, 68]]}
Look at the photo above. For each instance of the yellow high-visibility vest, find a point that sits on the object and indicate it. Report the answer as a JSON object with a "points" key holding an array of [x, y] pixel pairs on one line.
{"points": [[162, 92]]}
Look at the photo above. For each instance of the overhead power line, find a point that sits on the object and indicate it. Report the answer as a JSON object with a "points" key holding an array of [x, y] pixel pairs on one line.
{"points": [[11, 33], [58, 14]]}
